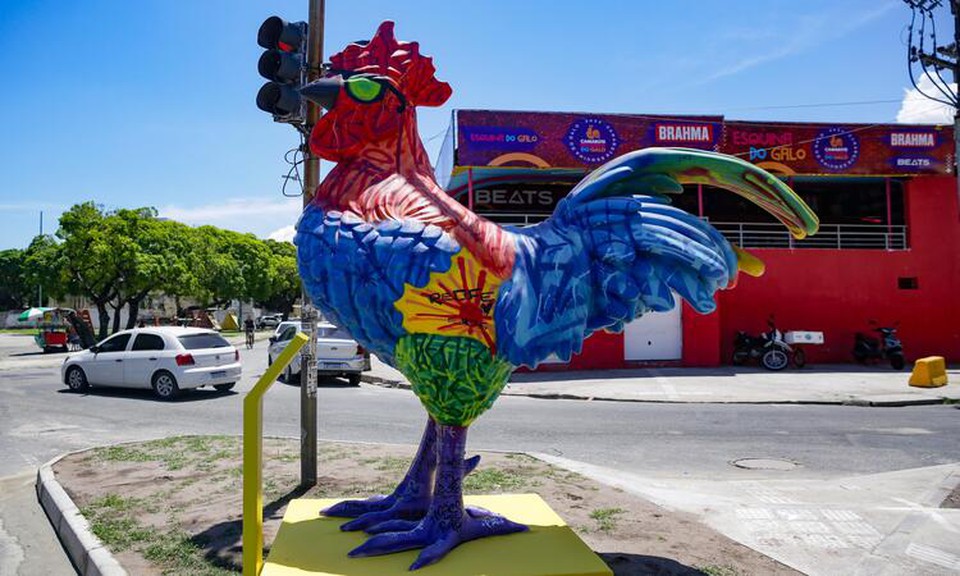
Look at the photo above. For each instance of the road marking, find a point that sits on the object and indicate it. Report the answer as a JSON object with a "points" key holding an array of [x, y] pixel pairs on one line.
{"points": [[824, 528], [933, 555]]}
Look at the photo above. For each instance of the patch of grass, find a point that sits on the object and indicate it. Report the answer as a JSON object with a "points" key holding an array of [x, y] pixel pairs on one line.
{"points": [[174, 453], [389, 464], [176, 553], [715, 570], [21, 331], [112, 521], [493, 480], [122, 454], [606, 518], [118, 533], [522, 458]]}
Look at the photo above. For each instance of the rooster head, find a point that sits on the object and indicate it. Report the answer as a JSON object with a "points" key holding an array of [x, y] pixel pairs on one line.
{"points": [[369, 91]]}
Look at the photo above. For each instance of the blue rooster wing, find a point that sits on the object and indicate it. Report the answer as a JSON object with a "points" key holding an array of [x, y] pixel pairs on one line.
{"points": [[355, 270], [613, 250]]}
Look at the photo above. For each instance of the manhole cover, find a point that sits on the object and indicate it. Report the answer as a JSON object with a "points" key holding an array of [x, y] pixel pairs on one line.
{"points": [[765, 464]]}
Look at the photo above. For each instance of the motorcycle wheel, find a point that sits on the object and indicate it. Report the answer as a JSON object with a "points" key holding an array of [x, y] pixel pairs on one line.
{"points": [[799, 358], [739, 358], [860, 357], [897, 362], [774, 359]]}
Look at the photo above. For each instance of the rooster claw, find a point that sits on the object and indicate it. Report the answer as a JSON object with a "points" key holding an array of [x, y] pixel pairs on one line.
{"points": [[432, 535], [357, 508]]}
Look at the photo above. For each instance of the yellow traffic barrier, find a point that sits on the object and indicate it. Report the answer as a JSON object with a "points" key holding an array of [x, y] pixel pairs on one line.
{"points": [[253, 458], [929, 372]]}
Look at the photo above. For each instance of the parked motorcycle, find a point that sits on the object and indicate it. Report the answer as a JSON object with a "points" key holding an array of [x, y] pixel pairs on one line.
{"points": [[887, 346], [769, 348]]}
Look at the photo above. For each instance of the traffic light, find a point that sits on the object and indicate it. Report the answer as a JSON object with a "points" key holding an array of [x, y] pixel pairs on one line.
{"points": [[284, 64]]}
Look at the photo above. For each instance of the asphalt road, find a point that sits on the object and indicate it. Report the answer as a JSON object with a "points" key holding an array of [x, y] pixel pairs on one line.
{"points": [[40, 419]]}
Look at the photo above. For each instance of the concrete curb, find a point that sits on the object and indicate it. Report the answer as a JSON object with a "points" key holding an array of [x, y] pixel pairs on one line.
{"points": [[85, 550], [891, 401]]}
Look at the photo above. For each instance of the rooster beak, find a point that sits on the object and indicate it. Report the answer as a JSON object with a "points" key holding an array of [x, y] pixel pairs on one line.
{"points": [[323, 92]]}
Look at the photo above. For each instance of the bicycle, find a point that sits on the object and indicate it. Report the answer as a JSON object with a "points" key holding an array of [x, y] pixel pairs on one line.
{"points": [[249, 340]]}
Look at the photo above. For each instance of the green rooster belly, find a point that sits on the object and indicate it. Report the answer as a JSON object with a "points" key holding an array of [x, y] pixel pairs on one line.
{"points": [[455, 377]]}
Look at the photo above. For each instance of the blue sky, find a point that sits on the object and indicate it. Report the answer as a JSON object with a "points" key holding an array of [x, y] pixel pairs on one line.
{"points": [[151, 103]]}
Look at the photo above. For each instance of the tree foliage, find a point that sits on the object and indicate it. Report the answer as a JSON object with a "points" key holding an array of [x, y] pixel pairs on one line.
{"points": [[117, 258], [14, 291]]}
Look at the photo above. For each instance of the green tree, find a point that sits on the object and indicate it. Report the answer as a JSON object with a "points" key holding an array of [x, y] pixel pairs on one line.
{"points": [[91, 256], [230, 266], [14, 292], [153, 258], [218, 273], [284, 278], [43, 267]]}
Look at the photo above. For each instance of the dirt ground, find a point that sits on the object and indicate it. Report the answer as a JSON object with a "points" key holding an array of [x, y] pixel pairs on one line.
{"points": [[173, 506]]}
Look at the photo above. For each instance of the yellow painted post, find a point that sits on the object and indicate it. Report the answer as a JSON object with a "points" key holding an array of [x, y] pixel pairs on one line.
{"points": [[253, 458]]}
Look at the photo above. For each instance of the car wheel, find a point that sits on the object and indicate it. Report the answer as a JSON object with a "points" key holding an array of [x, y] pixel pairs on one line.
{"points": [[165, 385], [353, 379], [774, 359], [76, 379], [224, 387]]}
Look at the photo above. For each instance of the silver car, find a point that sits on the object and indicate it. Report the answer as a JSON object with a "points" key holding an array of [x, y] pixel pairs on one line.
{"points": [[337, 354]]}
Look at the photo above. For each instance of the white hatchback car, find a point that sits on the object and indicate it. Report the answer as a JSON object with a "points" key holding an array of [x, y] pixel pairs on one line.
{"points": [[168, 359], [337, 353]]}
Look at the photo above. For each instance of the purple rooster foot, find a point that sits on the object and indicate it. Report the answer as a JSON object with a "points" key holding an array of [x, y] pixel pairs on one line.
{"points": [[437, 537], [398, 511], [448, 523]]}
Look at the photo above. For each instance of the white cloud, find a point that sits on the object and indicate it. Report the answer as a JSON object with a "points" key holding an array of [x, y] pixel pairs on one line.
{"points": [[918, 109], [794, 37], [284, 234], [260, 216]]}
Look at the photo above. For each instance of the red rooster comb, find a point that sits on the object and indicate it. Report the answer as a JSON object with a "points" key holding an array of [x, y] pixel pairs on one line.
{"points": [[400, 61]]}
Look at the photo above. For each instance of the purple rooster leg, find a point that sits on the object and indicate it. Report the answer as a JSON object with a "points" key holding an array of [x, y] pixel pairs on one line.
{"points": [[409, 501], [447, 523]]}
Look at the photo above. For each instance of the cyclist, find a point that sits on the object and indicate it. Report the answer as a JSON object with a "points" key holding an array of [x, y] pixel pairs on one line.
{"points": [[248, 329]]}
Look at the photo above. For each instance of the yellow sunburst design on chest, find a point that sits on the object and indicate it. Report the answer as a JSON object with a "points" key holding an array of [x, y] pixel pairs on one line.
{"points": [[458, 302]]}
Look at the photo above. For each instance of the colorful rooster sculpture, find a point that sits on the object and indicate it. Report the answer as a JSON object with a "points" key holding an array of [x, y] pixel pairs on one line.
{"points": [[457, 302]]}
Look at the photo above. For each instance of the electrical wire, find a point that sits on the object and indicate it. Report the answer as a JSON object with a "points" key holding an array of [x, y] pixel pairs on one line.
{"points": [[913, 51], [294, 157], [936, 68]]}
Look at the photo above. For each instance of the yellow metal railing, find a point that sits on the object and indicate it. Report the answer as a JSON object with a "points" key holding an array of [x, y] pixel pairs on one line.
{"points": [[253, 458]]}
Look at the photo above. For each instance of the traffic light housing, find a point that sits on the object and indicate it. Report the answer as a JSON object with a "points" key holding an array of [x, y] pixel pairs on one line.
{"points": [[284, 64]]}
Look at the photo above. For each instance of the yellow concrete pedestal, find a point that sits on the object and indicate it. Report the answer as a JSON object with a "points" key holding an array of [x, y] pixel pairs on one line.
{"points": [[309, 543]]}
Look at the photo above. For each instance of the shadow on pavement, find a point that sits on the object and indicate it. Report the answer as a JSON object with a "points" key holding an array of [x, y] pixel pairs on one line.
{"points": [[148, 395], [322, 382], [221, 539], [640, 565]]}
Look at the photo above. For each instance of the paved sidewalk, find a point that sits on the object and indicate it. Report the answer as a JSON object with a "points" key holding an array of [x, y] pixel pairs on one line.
{"points": [[825, 384]]}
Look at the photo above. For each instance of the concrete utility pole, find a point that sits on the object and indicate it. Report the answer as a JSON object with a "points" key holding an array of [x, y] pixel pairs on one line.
{"points": [[932, 58], [308, 314]]}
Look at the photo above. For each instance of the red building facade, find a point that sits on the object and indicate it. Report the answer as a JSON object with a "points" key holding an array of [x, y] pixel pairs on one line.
{"points": [[888, 250]]}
